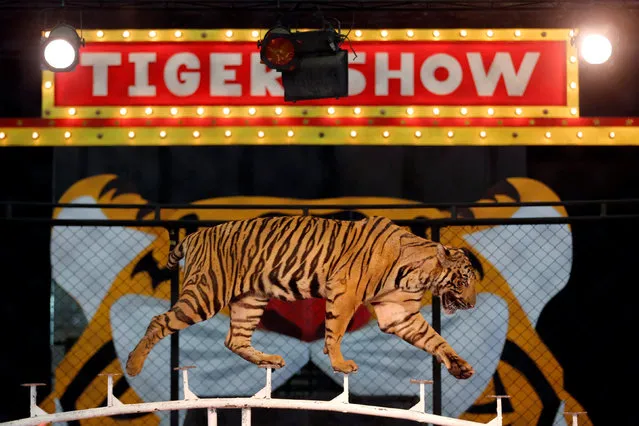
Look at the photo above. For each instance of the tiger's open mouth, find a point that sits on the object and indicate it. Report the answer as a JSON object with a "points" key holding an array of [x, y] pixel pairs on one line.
{"points": [[450, 303]]}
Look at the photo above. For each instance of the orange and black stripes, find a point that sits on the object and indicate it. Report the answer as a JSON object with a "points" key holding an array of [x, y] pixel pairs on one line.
{"points": [[243, 264]]}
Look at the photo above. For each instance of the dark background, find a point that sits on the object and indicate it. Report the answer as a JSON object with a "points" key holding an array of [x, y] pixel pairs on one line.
{"points": [[600, 298]]}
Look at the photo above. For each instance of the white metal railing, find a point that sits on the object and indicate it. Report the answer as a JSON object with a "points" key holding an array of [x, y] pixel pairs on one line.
{"points": [[261, 399]]}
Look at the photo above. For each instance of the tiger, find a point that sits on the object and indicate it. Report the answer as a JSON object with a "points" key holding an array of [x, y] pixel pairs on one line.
{"points": [[242, 264]]}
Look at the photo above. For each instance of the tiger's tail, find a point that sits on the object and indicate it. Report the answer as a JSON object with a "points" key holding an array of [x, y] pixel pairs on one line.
{"points": [[175, 255]]}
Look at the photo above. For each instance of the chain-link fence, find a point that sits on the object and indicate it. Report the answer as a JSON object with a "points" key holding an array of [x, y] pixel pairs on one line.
{"points": [[109, 281]]}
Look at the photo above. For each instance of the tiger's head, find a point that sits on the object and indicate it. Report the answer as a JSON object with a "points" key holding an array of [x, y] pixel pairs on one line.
{"points": [[457, 279]]}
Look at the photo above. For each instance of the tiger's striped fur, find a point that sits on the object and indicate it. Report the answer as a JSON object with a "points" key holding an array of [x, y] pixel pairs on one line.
{"points": [[245, 263]]}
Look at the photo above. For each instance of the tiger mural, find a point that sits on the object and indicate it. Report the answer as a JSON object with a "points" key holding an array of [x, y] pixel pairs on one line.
{"points": [[243, 264], [116, 279]]}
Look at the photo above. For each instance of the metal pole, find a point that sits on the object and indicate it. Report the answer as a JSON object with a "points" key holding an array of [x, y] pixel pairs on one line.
{"points": [[175, 337], [437, 326]]}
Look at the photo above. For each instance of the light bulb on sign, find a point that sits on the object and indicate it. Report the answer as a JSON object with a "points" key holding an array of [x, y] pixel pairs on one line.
{"points": [[148, 111], [252, 111], [153, 34], [384, 33], [255, 34], [580, 134], [3, 135], [353, 133], [491, 111], [178, 34], [227, 133], [100, 33], [67, 135], [226, 111], [358, 33], [410, 111], [548, 135], [517, 33], [35, 135], [463, 111], [463, 33], [410, 33], [196, 134], [331, 110], [122, 111], [573, 85], [436, 34], [573, 111], [72, 111], [418, 134], [278, 111], [162, 134], [126, 34], [518, 111], [435, 111], [229, 33], [482, 134], [357, 110], [260, 134], [386, 133], [595, 49], [490, 33], [48, 84], [611, 135], [200, 111], [450, 134], [131, 134], [174, 111], [290, 133]]}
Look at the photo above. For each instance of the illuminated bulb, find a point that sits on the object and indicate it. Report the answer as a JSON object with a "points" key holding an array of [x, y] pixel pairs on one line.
{"points": [[573, 111], [251, 111], [229, 33], [548, 135], [385, 133], [35, 135], [464, 111], [573, 85], [418, 134], [278, 110], [227, 133], [174, 111], [490, 33], [435, 33], [571, 33], [517, 111], [410, 111], [196, 134], [122, 111], [100, 34], [47, 84], [357, 110], [450, 134], [67, 135], [410, 33], [331, 110], [47, 33], [290, 133], [573, 59], [72, 111], [517, 33], [384, 33], [126, 34], [482, 134], [131, 134], [611, 135], [491, 111], [260, 134], [162, 134], [226, 111], [148, 111], [463, 33], [178, 34], [353, 133], [435, 111], [152, 34], [199, 111], [255, 34], [580, 134], [3, 135], [358, 33]]}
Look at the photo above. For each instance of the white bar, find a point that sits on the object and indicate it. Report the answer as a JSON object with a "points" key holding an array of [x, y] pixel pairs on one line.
{"points": [[211, 416], [221, 403], [246, 417], [109, 391]]}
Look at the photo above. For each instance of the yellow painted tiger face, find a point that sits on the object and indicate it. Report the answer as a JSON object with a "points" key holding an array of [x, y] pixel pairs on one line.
{"points": [[458, 289]]}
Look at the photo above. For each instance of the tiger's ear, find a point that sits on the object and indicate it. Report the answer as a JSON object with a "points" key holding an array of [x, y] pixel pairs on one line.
{"points": [[444, 256]]}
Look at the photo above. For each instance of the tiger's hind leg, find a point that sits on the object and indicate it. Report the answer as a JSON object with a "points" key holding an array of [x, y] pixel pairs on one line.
{"points": [[195, 305], [245, 316]]}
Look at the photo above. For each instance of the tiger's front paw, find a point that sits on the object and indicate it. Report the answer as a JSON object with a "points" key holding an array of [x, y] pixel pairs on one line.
{"points": [[346, 366], [456, 365]]}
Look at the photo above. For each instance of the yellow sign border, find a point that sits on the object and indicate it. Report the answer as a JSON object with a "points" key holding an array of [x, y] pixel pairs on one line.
{"points": [[315, 135], [49, 110]]}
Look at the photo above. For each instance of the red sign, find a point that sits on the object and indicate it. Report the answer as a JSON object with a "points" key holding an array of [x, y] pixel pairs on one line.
{"points": [[442, 73]]}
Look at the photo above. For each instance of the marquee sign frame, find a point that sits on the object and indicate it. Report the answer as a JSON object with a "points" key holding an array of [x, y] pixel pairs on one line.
{"points": [[304, 123]]}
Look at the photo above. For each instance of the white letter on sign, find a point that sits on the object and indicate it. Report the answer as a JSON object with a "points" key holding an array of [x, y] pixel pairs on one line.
{"points": [[405, 74], [220, 75], [191, 79], [100, 63], [441, 87], [516, 82], [263, 79], [356, 79], [141, 85]]}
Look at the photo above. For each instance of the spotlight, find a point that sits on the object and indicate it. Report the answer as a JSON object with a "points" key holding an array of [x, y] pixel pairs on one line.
{"points": [[595, 49], [311, 62], [60, 51]]}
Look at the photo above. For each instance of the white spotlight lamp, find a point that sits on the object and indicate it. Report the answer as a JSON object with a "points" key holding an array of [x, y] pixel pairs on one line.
{"points": [[60, 51], [595, 49]]}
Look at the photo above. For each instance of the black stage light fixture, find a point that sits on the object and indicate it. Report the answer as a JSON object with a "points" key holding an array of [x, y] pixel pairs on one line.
{"points": [[60, 50], [311, 62]]}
